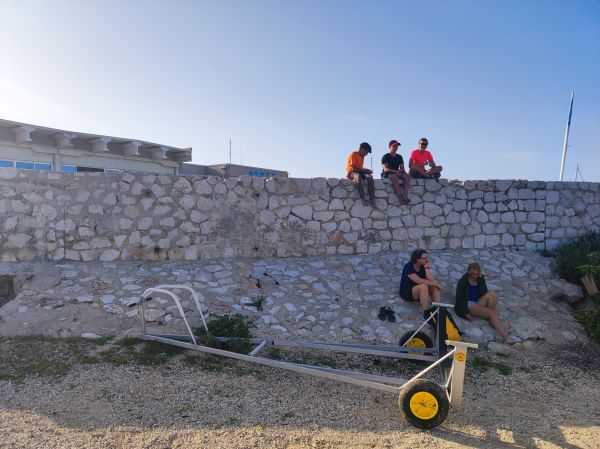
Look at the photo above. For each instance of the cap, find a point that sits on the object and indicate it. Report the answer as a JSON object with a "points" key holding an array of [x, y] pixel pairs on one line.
{"points": [[393, 142]]}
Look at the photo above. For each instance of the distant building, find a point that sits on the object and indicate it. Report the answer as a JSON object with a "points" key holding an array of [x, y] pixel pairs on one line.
{"points": [[32, 147], [231, 171]]}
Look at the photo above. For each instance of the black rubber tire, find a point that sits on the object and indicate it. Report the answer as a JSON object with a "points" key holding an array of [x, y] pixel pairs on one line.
{"points": [[430, 404], [420, 340]]}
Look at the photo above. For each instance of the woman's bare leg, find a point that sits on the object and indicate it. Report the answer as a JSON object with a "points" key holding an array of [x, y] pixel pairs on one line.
{"points": [[489, 300], [492, 317]]}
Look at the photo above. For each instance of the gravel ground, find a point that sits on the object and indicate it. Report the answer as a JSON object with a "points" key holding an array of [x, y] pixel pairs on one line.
{"points": [[534, 396]]}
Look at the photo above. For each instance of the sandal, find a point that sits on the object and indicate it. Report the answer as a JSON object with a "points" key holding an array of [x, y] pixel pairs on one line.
{"points": [[386, 312]]}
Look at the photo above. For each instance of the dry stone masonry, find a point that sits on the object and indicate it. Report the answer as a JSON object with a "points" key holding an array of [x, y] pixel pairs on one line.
{"points": [[333, 298], [109, 217]]}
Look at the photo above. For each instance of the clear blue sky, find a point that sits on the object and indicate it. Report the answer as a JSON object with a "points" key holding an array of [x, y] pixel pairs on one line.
{"points": [[297, 85]]}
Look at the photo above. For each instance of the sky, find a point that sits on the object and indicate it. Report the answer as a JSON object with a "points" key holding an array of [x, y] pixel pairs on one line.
{"points": [[298, 85]]}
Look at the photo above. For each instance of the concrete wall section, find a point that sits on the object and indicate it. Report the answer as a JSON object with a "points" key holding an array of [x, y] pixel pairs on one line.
{"points": [[81, 216]]}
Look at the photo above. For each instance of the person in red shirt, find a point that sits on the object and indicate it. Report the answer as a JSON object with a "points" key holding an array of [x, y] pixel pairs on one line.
{"points": [[357, 173], [420, 160]]}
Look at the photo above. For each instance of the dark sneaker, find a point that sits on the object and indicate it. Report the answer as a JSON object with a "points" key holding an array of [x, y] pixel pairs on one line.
{"points": [[426, 314], [382, 313], [391, 316]]}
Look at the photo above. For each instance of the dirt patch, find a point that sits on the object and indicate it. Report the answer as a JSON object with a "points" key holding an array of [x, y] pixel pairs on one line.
{"points": [[544, 397]]}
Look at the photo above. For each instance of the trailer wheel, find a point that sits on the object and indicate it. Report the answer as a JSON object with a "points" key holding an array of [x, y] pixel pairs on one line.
{"points": [[419, 340], [424, 404]]}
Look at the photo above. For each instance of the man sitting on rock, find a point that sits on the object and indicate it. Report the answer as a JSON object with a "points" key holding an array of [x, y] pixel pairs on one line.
{"points": [[356, 172], [420, 160], [418, 284], [393, 169]]}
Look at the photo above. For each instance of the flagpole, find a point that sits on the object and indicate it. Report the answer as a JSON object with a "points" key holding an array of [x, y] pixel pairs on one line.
{"points": [[564, 152]]}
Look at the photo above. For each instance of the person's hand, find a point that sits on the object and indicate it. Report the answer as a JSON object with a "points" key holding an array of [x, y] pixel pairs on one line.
{"points": [[469, 317], [367, 171], [439, 286]]}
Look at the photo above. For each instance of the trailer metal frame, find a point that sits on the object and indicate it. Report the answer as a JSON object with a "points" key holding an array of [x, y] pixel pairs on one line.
{"points": [[451, 361]]}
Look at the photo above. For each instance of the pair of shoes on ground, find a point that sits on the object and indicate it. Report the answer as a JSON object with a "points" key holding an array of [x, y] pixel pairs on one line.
{"points": [[386, 312]]}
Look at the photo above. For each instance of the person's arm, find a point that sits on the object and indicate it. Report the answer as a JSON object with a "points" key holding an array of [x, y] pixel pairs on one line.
{"points": [[400, 167], [358, 169], [387, 169], [412, 164], [428, 273], [430, 278], [431, 163], [483, 288], [419, 280]]}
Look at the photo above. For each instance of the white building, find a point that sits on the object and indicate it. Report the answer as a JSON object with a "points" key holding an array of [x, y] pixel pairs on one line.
{"points": [[232, 171], [32, 147]]}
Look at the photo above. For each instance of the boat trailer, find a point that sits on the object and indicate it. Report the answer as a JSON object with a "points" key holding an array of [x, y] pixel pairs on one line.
{"points": [[425, 403]]}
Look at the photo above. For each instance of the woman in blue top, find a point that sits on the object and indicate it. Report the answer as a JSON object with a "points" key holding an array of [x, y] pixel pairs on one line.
{"points": [[417, 283], [474, 299]]}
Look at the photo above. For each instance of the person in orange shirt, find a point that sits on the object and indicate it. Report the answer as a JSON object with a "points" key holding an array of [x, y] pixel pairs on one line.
{"points": [[357, 173], [420, 158]]}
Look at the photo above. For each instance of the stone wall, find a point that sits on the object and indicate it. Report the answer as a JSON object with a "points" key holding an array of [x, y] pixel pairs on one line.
{"points": [[335, 298], [84, 216]]}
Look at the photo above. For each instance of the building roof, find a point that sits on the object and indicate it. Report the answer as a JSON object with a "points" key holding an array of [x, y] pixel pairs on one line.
{"points": [[25, 133]]}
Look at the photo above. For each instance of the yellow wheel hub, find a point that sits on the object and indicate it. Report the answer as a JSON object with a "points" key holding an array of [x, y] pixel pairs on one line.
{"points": [[423, 405], [416, 343]]}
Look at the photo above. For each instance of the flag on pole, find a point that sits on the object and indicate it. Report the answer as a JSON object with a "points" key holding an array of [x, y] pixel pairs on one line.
{"points": [[566, 143]]}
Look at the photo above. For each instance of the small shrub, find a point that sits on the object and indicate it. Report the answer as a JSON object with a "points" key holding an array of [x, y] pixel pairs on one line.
{"points": [[230, 326], [155, 353], [258, 302], [503, 368], [590, 320], [236, 327], [128, 342], [570, 255], [482, 365]]}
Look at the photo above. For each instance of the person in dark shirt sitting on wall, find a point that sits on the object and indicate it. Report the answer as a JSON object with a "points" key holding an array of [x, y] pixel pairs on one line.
{"points": [[393, 169], [417, 283]]}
